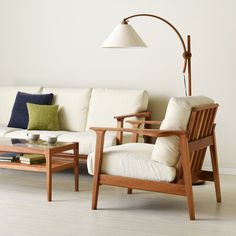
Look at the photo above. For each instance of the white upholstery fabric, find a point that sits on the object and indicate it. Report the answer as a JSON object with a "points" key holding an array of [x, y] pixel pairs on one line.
{"points": [[107, 103], [132, 160], [166, 150], [74, 105], [87, 140], [22, 134], [5, 130], [7, 99]]}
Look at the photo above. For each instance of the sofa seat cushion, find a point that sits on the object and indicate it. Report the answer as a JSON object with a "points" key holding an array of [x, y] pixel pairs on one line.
{"points": [[5, 130], [22, 134], [166, 150], [107, 103], [87, 140], [132, 160]]}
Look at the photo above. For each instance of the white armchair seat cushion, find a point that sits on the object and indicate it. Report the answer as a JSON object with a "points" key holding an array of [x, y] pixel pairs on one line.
{"points": [[87, 140], [132, 160], [166, 150]]}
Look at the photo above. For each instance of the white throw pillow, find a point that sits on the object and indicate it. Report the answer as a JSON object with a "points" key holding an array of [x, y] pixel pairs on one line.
{"points": [[166, 150]]}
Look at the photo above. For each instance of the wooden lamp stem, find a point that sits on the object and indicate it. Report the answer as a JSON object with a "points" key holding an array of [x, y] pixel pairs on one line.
{"points": [[187, 50], [189, 66]]}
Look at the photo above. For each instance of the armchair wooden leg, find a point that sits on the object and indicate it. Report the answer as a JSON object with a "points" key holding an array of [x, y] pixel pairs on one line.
{"points": [[190, 202], [129, 191], [95, 194], [187, 176], [97, 167], [215, 168], [189, 193]]}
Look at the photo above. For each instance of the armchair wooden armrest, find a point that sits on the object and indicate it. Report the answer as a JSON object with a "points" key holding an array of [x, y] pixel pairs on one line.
{"points": [[120, 122], [138, 123], [145, 114], [148, 132], [147, 125]]}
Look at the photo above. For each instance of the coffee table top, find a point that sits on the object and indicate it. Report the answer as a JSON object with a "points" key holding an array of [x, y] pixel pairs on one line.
{"points": [[60, 160], [24, 144]]}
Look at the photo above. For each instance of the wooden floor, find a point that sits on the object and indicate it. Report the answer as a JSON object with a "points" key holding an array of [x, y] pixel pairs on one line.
{"points": [[24, 210]]}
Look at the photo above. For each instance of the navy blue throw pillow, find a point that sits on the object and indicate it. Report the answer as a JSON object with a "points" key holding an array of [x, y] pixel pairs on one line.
{"points": [[19, 115]]}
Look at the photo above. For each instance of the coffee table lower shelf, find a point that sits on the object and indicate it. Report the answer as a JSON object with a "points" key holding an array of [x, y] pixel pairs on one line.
{"points": [[58, 164]]}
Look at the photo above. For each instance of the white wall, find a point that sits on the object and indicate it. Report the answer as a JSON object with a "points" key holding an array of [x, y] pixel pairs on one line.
{"points": [[57, 43]]}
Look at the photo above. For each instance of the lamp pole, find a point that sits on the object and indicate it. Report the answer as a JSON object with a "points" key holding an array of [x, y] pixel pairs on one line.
{"points": [[187, 50]]}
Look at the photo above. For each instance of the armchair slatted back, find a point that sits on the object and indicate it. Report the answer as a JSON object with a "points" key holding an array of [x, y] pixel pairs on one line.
{"points": [[200, 136]]}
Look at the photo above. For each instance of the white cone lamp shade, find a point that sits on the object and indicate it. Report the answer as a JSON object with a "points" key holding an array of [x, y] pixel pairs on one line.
{"points": [[123, 36]]}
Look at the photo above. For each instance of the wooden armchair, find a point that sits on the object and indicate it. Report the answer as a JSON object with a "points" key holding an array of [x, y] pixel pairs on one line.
{"points": [[193, 142]]}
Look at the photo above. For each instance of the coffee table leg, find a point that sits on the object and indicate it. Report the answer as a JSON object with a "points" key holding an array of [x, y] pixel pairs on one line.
{"points": [[76, 167], [49, 175]]}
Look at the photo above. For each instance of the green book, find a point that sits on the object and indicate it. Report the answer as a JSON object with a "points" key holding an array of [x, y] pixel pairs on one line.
{"points": [[32, 157], [30, 162]]}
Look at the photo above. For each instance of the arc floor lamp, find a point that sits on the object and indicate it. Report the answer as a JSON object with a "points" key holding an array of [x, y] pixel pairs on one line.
{"points": [[124, 36]]}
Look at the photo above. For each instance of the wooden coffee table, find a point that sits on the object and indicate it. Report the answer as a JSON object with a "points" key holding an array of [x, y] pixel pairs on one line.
{"points": [[56, 158]]}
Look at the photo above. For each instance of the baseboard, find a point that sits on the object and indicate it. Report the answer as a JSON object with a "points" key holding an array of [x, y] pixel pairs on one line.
{"points": [[224, 171]]}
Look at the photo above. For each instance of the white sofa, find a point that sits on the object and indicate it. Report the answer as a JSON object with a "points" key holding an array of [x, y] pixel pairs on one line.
{"points": [[80, 109]]}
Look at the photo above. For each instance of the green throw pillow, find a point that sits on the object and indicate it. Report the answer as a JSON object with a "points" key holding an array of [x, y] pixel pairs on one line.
{"points": [[43, 117]]}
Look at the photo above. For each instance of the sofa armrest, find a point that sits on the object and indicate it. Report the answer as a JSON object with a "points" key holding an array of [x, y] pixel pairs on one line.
{"points": [[120, 123]]}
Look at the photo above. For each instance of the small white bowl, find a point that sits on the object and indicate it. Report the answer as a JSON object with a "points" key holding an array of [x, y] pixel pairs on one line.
{"points": [[33, 137], [51, 139]]}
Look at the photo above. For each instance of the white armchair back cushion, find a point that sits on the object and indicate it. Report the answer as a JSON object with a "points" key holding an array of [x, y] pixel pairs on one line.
{"points": [[166, 150], [7, 99], [107, 103], [73, 107]]}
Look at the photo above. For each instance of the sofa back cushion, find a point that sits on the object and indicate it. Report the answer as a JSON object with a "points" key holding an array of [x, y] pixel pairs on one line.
{"points": [[166, 149], [107, 103], [73, 107], [7, 98]]}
